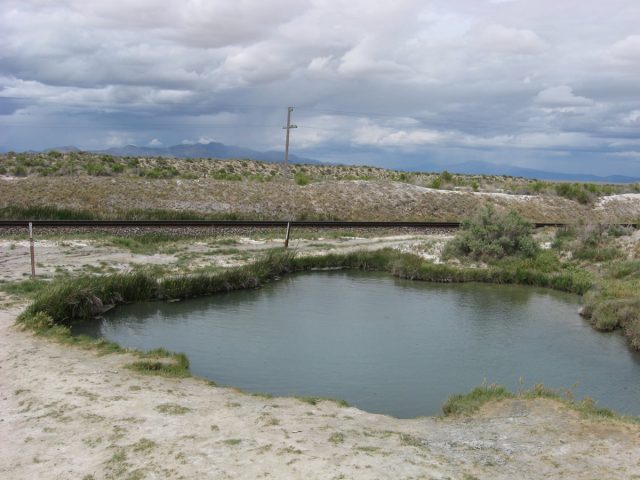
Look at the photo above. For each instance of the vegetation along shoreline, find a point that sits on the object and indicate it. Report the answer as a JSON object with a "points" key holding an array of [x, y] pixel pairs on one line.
{"points": [[491, 247]]}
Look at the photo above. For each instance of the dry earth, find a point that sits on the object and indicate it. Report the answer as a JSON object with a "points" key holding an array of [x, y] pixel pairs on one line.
{"points": [[67, 413], [345, 200], [54, 256]]}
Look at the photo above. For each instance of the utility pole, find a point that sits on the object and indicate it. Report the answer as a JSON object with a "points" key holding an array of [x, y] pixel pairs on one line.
{"points": [[32, 251], [286, 145]]}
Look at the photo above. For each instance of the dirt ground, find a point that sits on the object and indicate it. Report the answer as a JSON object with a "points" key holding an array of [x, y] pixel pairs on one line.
{"points": [[67, 413], [54, 256], [346, 200]]}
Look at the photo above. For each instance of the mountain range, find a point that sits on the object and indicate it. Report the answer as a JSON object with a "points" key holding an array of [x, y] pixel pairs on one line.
{"points": [[205, 150]]}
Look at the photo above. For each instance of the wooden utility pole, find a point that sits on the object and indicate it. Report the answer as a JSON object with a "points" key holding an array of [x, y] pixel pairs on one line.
{"points": [[286, 145], [32, 251], [286, 237]]}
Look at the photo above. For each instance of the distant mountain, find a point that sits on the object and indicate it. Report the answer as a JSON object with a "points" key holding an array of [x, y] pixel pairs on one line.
{"points": [[65, 149], [486, 168], [204, 150]]}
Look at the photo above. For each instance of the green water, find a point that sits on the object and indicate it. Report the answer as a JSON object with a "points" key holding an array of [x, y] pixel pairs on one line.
{"points": [[385, 345]]}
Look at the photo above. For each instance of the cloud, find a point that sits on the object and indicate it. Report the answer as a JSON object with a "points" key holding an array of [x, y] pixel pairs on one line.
{"points": [[629, 154], [467, 76], [499, 38], [561, 96], [627, 49], [319, 64], [389, 137], [362, 60], [118, 139], [155, 143]]}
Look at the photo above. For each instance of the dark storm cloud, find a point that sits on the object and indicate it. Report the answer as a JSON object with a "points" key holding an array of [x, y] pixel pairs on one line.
{"points": [[533, 82]]}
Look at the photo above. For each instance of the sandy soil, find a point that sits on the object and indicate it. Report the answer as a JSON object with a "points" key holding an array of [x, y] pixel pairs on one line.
{"points": [[67, 413], [345, 199], [54, 256]]}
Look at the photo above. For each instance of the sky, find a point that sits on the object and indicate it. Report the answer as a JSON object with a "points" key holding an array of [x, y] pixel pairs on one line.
{"points": [[545, 84]]}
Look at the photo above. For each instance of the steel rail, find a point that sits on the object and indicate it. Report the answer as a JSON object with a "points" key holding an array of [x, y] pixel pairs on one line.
{"points": [[251, 223], [223, 223]]}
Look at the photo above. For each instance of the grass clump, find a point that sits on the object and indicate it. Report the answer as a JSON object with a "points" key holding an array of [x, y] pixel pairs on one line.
{"points": [[581, 193], [24, 288], [301, 178], [172, 409], [468, 403], [492, 235], [163, 363], [232, 442], [143, 445], [84, 297], [44, 212], [316, 400]]}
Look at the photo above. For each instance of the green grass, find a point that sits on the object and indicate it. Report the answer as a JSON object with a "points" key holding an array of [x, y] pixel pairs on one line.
{"points": [[469, 403], [46, 212], [50, 212], [316, 400], [67, 301], [163, 363], [24, 288], [172, 409], [232, 442]]}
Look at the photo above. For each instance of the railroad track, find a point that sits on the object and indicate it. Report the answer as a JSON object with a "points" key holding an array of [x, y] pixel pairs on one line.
{"points": [[237, 223]]}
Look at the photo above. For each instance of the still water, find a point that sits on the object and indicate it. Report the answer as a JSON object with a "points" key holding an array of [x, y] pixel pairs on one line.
{"points": [[385, 345]]}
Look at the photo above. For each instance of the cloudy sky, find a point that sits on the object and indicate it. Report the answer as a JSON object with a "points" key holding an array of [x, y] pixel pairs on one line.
{"points": [[550, 84]]}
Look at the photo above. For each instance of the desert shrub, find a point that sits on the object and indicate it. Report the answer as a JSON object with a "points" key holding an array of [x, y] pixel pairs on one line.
{"points": [[539, 187], [446, 177], [96, 169], [563, 235], [117, 168], [19, 171], [625, 270], [609, 314], [493, 235], [301, 178], [574, 192], [619, 230], [592, 244], [596, 253]]}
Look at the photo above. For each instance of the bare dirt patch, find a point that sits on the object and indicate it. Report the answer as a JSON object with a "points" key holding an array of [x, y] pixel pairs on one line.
{"points": [[71, 256], [330, 199]]}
